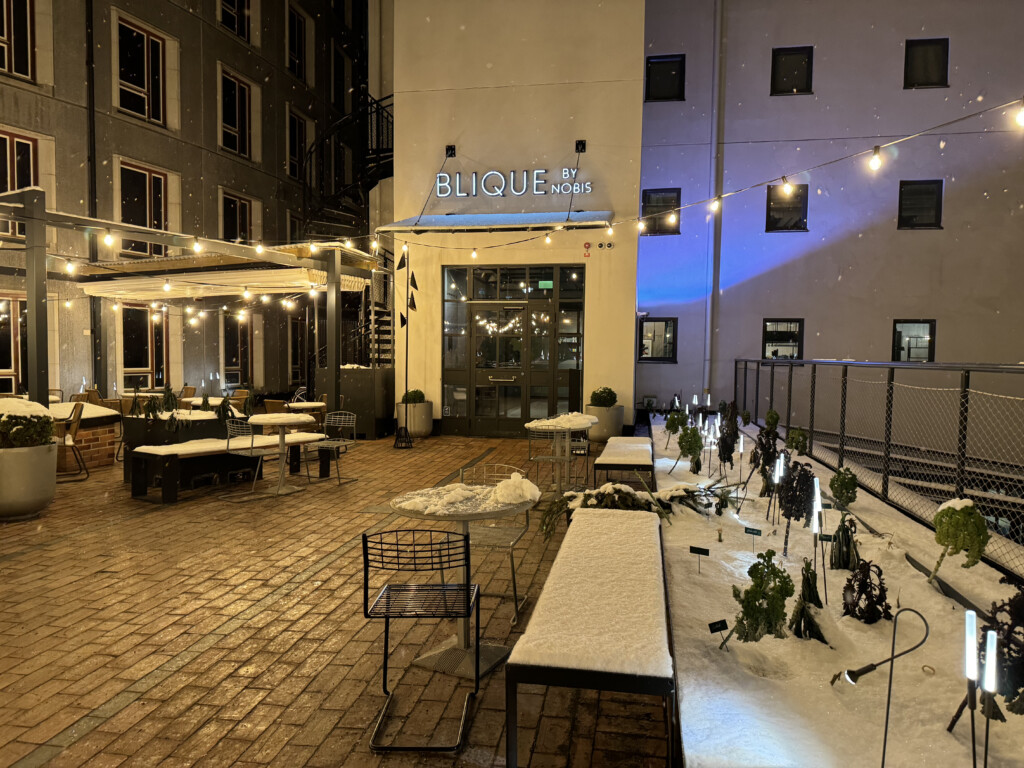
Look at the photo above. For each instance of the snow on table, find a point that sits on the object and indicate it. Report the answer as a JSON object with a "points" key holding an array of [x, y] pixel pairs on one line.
{"points": [[213, 445], [572, 420], [62, 411], [281, 419], [632, 451], [306, 406], [464, 501], [15, 406], [603, 604], [197, 401]]}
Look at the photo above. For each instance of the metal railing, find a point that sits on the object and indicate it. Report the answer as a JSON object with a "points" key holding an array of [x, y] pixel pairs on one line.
{"points": [[915, 434]]}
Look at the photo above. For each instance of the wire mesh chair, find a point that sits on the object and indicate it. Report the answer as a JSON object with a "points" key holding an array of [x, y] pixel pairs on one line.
{"points": [[419, 551], [340, 428], [501, 533], [579, 447], [299, 396], [67, 431], [244, 438]]}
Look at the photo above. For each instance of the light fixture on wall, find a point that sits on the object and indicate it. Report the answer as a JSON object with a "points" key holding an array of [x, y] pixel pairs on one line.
{"points": [[876, 159], [787, 188]]}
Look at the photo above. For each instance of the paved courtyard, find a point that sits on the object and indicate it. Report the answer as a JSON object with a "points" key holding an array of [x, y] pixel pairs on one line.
{"points": [[219, 633]]}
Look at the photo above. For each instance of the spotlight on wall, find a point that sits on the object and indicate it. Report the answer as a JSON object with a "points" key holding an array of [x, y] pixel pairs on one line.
{"points": [[876, 159]]}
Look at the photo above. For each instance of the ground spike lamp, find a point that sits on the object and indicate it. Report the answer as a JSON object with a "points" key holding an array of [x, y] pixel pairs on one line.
{"points": [[402, 437]]}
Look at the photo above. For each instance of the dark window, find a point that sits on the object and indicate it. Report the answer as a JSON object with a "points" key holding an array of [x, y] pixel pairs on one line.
{"points": [[783, 339], [8, 344], [920, 205], [296, 43], [234, 16], [144, 353], [657, 340], [913, 341], [18, 169], [144, 204], [296, 144], [786, 213], [140, 72], [17, 23], [235, 114], [927, 63], [791, 70], [660, 211], [296, 350], [666, 78], [237, 345], [236, 215], [294, 228], [339, 164], [339, 79]]}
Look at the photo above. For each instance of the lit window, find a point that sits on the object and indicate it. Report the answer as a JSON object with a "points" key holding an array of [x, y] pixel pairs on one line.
{"points": [[926, 64], [783, 339], [786, 213], [660, 211], [236, 106], [920, 205], [237, 357], [296, 61], [296, 144], [144, 353], [236, 218], [791, 70], [657, 343], [16, 33], [144, 204], [234, 16], [666, 78], [913, 341], [140, 72], [19, 168]]}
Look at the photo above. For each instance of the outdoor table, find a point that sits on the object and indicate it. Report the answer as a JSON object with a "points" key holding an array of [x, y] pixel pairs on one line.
{"points": [[457, 655], [303, 406], [53, 398], [560, 429], [282, 421], [196, 401]]}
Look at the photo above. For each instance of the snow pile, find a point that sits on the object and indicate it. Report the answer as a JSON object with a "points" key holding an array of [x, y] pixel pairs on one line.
{"points": [[957, 504], [515, 490], [626, 451], [15, 406], [281, 419], [354, 366], [470, 501], [572, 420]]}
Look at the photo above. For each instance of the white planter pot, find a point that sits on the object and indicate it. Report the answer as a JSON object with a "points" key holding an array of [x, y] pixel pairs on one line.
{"points": [[421, 418], [609, 422], [28, 480]]}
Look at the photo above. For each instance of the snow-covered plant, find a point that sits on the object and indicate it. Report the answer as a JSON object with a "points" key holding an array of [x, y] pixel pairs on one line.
{"points": [[766, 451], [796, 440], [168, 400], [1007, 621], [844, 554], [763, 603], [691, 445], [959, 527], [864, 596], [151, 408], [205, 405], [796, 496], [844, 487], [136, 407], [730, 435], [803, 622], [24, 424], [223, 411], [673, 422]]}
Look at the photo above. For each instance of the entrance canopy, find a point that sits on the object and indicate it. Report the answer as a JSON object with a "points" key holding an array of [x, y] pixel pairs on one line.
{"points": [[501, 222]]}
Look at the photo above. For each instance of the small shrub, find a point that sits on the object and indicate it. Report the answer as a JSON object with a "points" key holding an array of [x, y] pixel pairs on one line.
{"points": [[151, 408], [1007, 621], [796, 440], [673, 423], [763, 603], [730, 435], [136, 407], [24, 424], [603, 397], [959, 527], [765, 452], [844, 487], [864, 596], [414, 396], [771, 420], [168, 401], [691, 445], [205, 405], [249, 404], [723, 408], [745, 416], [224, 411]]}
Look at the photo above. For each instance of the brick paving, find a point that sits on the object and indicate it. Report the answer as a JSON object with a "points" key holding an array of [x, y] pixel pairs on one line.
{"points": [[214, 633]]}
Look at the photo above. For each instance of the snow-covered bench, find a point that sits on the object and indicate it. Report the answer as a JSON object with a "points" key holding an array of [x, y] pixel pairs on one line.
{"points": [[627, 454], [601, 621], [178, 463]]}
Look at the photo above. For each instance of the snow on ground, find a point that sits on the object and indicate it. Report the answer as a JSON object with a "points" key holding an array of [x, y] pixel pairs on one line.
{"points": [[769, 704]]}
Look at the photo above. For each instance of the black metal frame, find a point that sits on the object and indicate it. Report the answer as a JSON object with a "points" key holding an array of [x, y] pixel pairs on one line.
{"points": [[415, 550], [904, 222], [681, 58], [931, 340], [916, 44], [797, 49], [641, 322]]}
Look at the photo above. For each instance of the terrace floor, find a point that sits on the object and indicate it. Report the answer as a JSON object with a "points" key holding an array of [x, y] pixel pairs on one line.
{"points": [[218, 633]]}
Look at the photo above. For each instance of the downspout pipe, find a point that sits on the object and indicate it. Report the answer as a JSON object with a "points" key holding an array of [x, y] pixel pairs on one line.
{"points": [[716, 183]]}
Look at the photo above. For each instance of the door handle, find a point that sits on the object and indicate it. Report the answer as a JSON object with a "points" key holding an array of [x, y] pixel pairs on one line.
{"points": [[507, 381]]}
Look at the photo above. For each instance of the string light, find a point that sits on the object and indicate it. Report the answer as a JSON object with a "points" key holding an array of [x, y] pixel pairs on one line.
{"points": [[348, 243], [373, 245], [265, 299], [202, 313], [67, 304], [611, 231], [312, 291], [473, 254], [259, 247], [547, 239], [1020, 115], [193, 321], [405, 246], [245, 293], [715, 204], [155, 317], [224, 308], [167, 285], [108, 239], [188, 310], [196, 247], [153, 305], [876, 159], [69, 267], [640, 225], [787, 188], [313, 248], [671, 218], [116, 306]]}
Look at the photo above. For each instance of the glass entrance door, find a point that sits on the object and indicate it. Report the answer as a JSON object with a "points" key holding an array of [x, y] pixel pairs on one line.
{"points": [[498, 376]]}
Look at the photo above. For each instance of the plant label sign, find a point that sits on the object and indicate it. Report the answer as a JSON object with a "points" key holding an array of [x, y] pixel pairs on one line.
{"points": [[823, 537], [826, 505], [698, 551], [718, 626], [752, 532]]}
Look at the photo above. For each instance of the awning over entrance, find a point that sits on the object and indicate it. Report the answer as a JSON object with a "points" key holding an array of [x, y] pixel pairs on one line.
{"points": [[501, 222]]}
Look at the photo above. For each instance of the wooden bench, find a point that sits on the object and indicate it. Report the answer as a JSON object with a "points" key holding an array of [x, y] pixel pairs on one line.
{"points": [[627, 454], [177, 465], [602, 621]]}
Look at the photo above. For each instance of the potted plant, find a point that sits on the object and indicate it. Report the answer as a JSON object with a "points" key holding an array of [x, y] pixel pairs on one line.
{"points": [[28, 459], [420, 413], [609, 415]]}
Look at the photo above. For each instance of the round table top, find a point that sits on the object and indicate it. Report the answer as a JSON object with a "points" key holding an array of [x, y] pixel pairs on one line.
{"points": [[314, 406], [437, 504], [281, 419]]}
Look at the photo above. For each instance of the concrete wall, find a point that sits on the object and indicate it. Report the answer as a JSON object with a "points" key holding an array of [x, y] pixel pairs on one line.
{"points": [[514, 91]]}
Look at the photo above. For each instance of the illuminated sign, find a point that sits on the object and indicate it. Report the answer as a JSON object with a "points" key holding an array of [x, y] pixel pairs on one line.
{"points": [[515, 183]]}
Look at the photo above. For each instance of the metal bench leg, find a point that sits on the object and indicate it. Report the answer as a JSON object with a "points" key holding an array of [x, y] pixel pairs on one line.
{"points": [[517, 604]]}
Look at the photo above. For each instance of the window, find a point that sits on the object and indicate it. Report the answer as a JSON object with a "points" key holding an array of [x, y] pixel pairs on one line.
{"points": [[783, 339], [296, 144], [9, 345], [920, 205], [19, 168], [791, 70], [296, 61], [657, 340], [234, 16], [666, 78], [144, 204], [296, 350], [16, 38], [294, 228], [660, 211], [926, 64], [144, 353], [340, 164], [786, 213], [140, 72], [340, 70], [913, 341], [237, 351], [236, 107], [236, 218]]}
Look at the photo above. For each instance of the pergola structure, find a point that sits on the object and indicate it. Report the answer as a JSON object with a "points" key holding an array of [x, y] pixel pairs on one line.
{"points": [[216, 267]]}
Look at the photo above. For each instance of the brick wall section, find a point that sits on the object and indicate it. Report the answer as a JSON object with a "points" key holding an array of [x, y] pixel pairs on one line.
{"points": [[97, 445]]}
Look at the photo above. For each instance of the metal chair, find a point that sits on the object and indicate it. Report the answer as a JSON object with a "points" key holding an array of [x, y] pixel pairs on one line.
{"points": [[58, 392], [187, 392], [67, 431], [299, 396], [500, 533], [340, 428], [419, 551], [579, 447], [245, 445]]}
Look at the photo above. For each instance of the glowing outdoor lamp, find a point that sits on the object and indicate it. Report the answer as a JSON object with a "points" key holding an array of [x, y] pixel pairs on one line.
{"points": [[695, 400], [971, 646], [989, 681]]}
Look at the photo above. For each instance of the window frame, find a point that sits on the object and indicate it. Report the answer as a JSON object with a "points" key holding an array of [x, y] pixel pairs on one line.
{"points": [[659, 59], [242, 202], [301, 119], [152, 249], [151, 371], [660, 226], [809, 50], [244, 13], [246, 373], [11, 307], [918, 43], [16, 230], [931, 340], [149, 36], [9, 41], [798, 189], [800, 336], [299, 58], [901, 220], [241, 84], [674, 321]]}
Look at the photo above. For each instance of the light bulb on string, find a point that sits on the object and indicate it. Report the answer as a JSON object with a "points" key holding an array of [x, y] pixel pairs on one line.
{"points": [[547, 239], [787, 188], [223, 307], [373, 244], [202, 313], [167, 285], [876, 159], [245, 293], [116, 306], [312, 291], [313, 247], [69, 267], [1020, 114], [196, 247], [153, 305], [715, 204], [259, 247], [611, 231], [265, 299], [188, 310], [67, 304], [671, 218], [473, 254], [348, 243], [193, 321], [108, 239], [640, 225], [405, 246]]}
